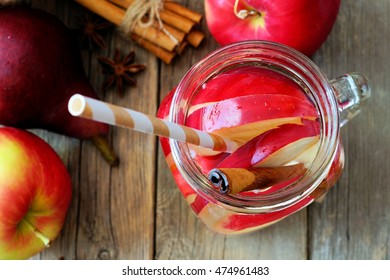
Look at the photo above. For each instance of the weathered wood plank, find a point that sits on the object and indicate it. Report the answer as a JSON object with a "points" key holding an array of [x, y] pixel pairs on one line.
{"points": [[352, 222], [133, 182]]}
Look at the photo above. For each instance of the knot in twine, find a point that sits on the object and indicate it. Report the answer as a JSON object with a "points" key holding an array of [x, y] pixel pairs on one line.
{"points": [[144, 13]]}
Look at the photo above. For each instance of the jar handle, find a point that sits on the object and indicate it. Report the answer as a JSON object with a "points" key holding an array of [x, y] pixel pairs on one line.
{"points": [[351, 91]]}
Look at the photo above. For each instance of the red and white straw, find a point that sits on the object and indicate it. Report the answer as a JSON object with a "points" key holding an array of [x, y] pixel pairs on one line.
{"points": [[89, 108]]}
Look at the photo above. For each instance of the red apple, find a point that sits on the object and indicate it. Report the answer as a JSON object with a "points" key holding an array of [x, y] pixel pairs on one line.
{"points": [[35, 192], [301, 24]]}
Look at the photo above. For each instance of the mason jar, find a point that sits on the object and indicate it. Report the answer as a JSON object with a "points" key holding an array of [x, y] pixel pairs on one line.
{"points": [[336, 102]]}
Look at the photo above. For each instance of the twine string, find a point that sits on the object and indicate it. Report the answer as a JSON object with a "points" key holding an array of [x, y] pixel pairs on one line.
{"points": [[144, 13]]}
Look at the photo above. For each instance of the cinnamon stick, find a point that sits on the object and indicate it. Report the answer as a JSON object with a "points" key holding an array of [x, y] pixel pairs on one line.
{"points": [[177, 34], [183, 11], [176, 20], [164, 55], [195, 37], [104, 9], [116, 15], [236, 180], [156, 36]]}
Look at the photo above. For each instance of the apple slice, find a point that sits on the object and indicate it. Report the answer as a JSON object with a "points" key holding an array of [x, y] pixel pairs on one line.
{"points": [[263, 150], [244, 133], [307, 156], [287, 153], [208, 162], [247, 109], [246, 80]]}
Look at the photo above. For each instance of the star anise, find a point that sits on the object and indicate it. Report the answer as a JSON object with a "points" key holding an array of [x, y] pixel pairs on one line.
{"points": [[120, 70], [90, 31]]}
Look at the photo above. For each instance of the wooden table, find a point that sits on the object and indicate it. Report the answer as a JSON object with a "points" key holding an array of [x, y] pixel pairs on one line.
{"points": [[134, 211]]}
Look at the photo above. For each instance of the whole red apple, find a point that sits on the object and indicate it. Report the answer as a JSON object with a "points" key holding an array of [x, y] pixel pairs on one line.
{"points": [[35, 192], [301, 24]]}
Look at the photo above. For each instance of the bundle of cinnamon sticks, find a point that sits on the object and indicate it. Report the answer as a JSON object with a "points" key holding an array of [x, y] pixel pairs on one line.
{"points": [[179, 26]]}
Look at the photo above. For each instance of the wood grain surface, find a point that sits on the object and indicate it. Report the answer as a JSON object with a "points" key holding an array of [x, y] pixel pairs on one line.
{"points": [[135, 211]]}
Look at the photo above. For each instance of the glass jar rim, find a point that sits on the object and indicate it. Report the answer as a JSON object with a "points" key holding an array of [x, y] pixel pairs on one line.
{"points": [[294, 62]]}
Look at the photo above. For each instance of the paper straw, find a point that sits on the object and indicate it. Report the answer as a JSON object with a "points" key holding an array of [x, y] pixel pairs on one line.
{"points": [[89, 108]]}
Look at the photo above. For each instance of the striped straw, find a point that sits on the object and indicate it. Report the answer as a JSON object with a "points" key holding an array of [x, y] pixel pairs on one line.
{"points": [[89, 108]]}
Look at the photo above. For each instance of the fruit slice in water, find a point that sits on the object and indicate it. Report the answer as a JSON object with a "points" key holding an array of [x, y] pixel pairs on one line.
{"points": [[275, 147], [244, 133], [247, 80], [248, 109], [244, 117]]}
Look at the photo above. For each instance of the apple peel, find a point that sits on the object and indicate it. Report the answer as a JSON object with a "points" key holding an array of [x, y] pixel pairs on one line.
{"points": [[275, 147], [241, 110], [243, 133], [300, 24], [288, 153], [308, 156], [246, 81]]}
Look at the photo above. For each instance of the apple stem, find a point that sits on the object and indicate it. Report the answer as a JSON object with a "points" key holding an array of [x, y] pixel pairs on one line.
{"points": [[242, 14], [108, 153], [39, 234]]}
